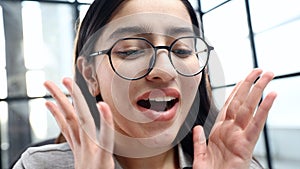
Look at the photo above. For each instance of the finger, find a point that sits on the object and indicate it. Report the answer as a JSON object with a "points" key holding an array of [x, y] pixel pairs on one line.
{"points": [[57, 115], [248, 107], [61, 99], [242, 93], [60, 121], [106, 131], [222, 113], [81, 107], [257, 123], [200, 147]]}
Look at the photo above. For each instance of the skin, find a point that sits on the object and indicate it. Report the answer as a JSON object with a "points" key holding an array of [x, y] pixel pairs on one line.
{"points": [[231, 141]]}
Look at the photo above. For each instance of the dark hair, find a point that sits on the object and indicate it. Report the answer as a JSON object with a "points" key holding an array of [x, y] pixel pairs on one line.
{"points": [[96, 17]]}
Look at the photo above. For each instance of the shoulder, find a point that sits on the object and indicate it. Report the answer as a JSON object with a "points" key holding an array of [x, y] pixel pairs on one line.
{"points": [[47, 156]]}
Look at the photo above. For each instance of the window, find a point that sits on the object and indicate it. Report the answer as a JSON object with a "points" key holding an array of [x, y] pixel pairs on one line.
{"points": [[3, 88], [229, 36]]}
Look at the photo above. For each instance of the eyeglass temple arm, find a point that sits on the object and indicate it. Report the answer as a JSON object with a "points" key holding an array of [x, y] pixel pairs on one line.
{"points": [[98, 53], [210, 48]]}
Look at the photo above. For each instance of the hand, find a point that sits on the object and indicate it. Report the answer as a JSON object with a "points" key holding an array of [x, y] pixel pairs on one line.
{"points": [[237, 128], [75, 120]]}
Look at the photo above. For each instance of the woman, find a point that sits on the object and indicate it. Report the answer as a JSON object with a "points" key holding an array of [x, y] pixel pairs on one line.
{"points": [[145, 64]]}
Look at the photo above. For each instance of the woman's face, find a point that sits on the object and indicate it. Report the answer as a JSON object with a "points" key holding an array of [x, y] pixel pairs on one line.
{"points": [[152, 109]]}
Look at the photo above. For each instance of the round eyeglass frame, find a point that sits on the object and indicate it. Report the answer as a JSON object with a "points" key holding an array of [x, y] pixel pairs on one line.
{"points": [[153, 59]]}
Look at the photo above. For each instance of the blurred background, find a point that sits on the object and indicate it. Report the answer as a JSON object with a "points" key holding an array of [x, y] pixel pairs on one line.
{"points": [[36, 44]]}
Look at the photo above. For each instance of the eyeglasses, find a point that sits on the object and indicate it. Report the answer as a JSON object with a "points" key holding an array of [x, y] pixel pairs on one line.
{"points": [[134, 58]]}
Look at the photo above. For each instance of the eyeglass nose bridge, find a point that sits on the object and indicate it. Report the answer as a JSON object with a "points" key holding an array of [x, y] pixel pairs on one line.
{"points": [[153, 59], [168, 48]]}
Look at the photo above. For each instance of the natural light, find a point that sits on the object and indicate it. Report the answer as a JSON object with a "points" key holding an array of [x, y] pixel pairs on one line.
{"points": [[33, 35], [4, 125], [3, 79]]}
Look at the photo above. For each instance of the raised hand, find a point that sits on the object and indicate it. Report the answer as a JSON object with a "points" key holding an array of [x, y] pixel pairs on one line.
{"points": [[236, 131], [75, 120]]}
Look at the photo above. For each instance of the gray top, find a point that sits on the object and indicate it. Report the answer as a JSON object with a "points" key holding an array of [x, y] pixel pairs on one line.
{"points": [[60, 156]]}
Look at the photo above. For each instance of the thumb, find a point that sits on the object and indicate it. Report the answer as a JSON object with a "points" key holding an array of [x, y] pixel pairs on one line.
{"points": [[200, 147]]}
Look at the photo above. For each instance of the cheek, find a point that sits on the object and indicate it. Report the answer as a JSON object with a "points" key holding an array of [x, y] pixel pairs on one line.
{"points": [[114, 91], [104, 76], [189, 86], [189, 89]]}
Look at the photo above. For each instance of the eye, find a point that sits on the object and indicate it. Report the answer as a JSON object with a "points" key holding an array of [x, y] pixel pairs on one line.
{"points": [[130, 53], [182, 53]]}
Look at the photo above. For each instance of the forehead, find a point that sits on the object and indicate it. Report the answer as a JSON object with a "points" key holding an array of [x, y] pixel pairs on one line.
{"points": [[170, 7], [133, 17]]}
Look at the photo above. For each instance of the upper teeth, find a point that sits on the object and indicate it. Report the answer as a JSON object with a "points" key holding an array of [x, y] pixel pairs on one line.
{"points": [[160, 99]]}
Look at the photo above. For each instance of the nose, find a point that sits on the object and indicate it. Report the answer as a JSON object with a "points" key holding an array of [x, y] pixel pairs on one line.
{"points": [[163, 70]]}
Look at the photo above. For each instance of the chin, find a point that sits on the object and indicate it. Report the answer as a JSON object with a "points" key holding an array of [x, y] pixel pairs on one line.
{"points": [[162, 140]]}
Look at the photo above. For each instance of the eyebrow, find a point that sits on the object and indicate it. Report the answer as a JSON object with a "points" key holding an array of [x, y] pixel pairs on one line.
{"points": [[179, 31], [128, 30], [174, 31]]}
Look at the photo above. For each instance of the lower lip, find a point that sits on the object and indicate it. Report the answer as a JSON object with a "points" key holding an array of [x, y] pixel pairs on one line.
{"points": [[160, 116]]}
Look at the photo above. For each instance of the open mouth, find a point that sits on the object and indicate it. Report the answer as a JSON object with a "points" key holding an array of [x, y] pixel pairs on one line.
{"points": [[158, 104]]}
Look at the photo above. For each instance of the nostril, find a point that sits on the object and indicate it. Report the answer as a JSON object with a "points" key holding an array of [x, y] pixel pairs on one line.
{"points": [[161, 75]]}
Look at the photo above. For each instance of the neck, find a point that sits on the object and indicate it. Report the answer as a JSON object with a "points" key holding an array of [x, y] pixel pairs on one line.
{"points": [[166, 160]]}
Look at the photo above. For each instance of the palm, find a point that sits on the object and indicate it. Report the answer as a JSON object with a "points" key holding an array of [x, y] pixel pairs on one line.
{"points": [[237, 128], [228, 144]]}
